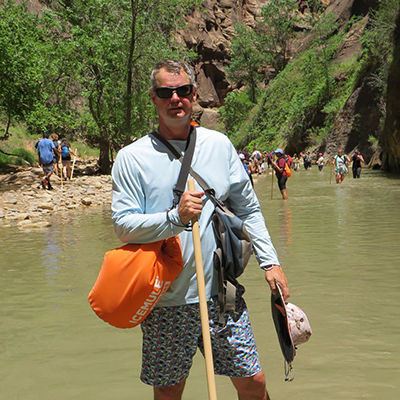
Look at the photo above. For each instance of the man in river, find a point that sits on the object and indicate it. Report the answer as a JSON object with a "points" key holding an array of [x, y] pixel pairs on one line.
{"points": [[357, 159], [144, 175]]}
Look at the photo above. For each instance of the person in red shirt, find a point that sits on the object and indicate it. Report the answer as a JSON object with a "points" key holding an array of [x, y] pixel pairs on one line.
{"points": [[279, 167]]}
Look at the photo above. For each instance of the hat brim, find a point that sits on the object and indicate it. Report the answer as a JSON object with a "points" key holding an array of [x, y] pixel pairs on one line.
{"points": [[279, 315]]}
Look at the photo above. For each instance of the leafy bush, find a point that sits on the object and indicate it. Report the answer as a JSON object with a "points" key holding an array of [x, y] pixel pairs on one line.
{"points": [[19, 156], [236, 108]]}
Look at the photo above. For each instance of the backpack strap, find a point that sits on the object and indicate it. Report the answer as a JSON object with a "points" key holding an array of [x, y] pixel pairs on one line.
{"points": [[186, 161], [181, 183]]}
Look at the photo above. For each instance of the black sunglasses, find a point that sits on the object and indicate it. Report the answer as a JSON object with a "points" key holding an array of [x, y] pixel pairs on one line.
{"points": [[167, 92]]}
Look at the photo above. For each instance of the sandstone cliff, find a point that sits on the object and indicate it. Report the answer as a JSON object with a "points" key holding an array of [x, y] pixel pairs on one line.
{"points": [[391, 132]]}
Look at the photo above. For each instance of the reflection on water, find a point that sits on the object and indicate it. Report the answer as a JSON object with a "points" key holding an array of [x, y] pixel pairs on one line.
{"points": [[337, 243]]}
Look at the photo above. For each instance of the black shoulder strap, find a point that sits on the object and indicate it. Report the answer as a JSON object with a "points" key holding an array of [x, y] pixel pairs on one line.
{"points": [[186, 161]]}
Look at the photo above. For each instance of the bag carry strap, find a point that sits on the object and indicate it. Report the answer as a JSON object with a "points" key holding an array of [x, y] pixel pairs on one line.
{"points": [[186, 161]]}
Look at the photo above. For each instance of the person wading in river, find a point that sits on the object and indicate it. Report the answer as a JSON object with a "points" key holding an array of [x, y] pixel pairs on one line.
{"points": [[144, 175], [356, 167], [281, 175], [340, 161]]}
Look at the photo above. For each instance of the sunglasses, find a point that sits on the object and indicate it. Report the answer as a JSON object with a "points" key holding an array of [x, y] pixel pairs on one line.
{"points": [[167, 92]]}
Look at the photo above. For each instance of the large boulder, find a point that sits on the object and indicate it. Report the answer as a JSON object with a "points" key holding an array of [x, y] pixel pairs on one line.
{"points": [[356, 122]]}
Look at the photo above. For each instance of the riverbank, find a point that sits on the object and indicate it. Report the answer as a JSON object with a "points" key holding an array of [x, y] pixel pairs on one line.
{"points": [[23, 203]]}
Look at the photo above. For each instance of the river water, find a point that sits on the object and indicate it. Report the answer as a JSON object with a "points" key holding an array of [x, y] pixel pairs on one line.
{"points": [[339, 245]]}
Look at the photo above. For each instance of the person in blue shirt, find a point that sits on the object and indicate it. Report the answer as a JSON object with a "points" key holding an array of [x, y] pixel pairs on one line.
{"points": [[144, 175], [46, 150]]}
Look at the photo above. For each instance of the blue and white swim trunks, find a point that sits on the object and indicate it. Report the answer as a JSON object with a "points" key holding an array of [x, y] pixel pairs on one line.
{"points": [[171, 336]]}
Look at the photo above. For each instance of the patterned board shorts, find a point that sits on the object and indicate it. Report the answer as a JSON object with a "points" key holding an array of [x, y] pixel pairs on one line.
{"points": [[171, 336]]}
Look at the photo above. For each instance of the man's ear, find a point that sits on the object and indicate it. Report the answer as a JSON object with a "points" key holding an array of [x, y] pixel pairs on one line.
{"points": [[194, 94]]}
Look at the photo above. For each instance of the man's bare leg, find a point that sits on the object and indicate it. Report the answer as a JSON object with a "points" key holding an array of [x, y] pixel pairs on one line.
{"points": [[169, 392], [251, 388]]}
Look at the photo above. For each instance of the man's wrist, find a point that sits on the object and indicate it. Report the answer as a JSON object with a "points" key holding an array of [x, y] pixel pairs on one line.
{"points": [[270, 266]]}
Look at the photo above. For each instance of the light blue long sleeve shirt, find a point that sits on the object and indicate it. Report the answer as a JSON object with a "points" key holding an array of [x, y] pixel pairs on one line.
{"points": [[144, 175]]}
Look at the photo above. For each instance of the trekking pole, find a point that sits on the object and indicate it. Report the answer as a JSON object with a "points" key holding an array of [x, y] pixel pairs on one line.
{"points": [[73, 164], [205, 329], [61, 170], [330, 175], [272, 182]]}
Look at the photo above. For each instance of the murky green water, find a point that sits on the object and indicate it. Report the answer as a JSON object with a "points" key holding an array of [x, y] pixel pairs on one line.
{"points": [[338, 244]]}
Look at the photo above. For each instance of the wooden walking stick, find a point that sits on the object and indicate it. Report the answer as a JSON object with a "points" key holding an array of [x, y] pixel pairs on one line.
{"points": [[205, 329], [272, 183], [61, 169], [73, 163]]}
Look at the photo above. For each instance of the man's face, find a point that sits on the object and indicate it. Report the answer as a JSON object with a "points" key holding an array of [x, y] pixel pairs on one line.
{"points": [[177, 108]]}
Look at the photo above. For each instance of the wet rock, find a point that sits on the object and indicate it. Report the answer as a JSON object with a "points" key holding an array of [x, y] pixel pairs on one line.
{"points": [[46, 206], [29, 207], [86, 201]]}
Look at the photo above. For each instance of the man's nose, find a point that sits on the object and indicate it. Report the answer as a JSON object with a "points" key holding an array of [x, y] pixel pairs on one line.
{"points": [[175, 96]]}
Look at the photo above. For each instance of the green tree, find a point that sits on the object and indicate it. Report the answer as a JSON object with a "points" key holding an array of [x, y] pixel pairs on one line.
{"points": [[35, 71], [246, 65], [115, 44], [21, 63], [236, 108], [276, 30]]}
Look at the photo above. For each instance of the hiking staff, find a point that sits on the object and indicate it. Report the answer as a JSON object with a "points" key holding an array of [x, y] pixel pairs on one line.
{"points": [[330, 175], [61, 168], [205, 329], [272, 183], [73, 164]]}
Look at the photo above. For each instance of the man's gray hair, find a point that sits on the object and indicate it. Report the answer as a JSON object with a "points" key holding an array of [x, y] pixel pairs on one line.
{"points": [[172, 66]]}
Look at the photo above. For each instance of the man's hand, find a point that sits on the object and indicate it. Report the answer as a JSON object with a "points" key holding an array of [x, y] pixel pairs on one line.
{"points": [[190, 206], [276, 276]]}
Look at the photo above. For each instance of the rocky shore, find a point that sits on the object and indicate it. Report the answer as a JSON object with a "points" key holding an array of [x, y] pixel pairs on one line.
{"points": [[23, 203]]}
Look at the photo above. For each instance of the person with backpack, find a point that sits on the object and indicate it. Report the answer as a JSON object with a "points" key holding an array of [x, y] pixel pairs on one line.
{"points": [[145, 210], [282, 171], [307, 161], [46, 151], [66, 152], [340, 162]]}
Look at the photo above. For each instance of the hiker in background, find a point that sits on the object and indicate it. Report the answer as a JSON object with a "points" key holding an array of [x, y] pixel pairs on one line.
{"points": [[340, 161], [296, 162], [46, 151], [289, 160], [66, 158], [280, 172], [357, 159], [144, 176], [268, 158], [307, 161], [246, 167], [257, 160], [320, 162], [54, 138]]}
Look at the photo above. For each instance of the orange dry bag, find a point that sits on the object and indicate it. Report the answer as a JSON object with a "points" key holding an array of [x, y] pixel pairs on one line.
{"points": [[132, 279], [288, 170]]}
